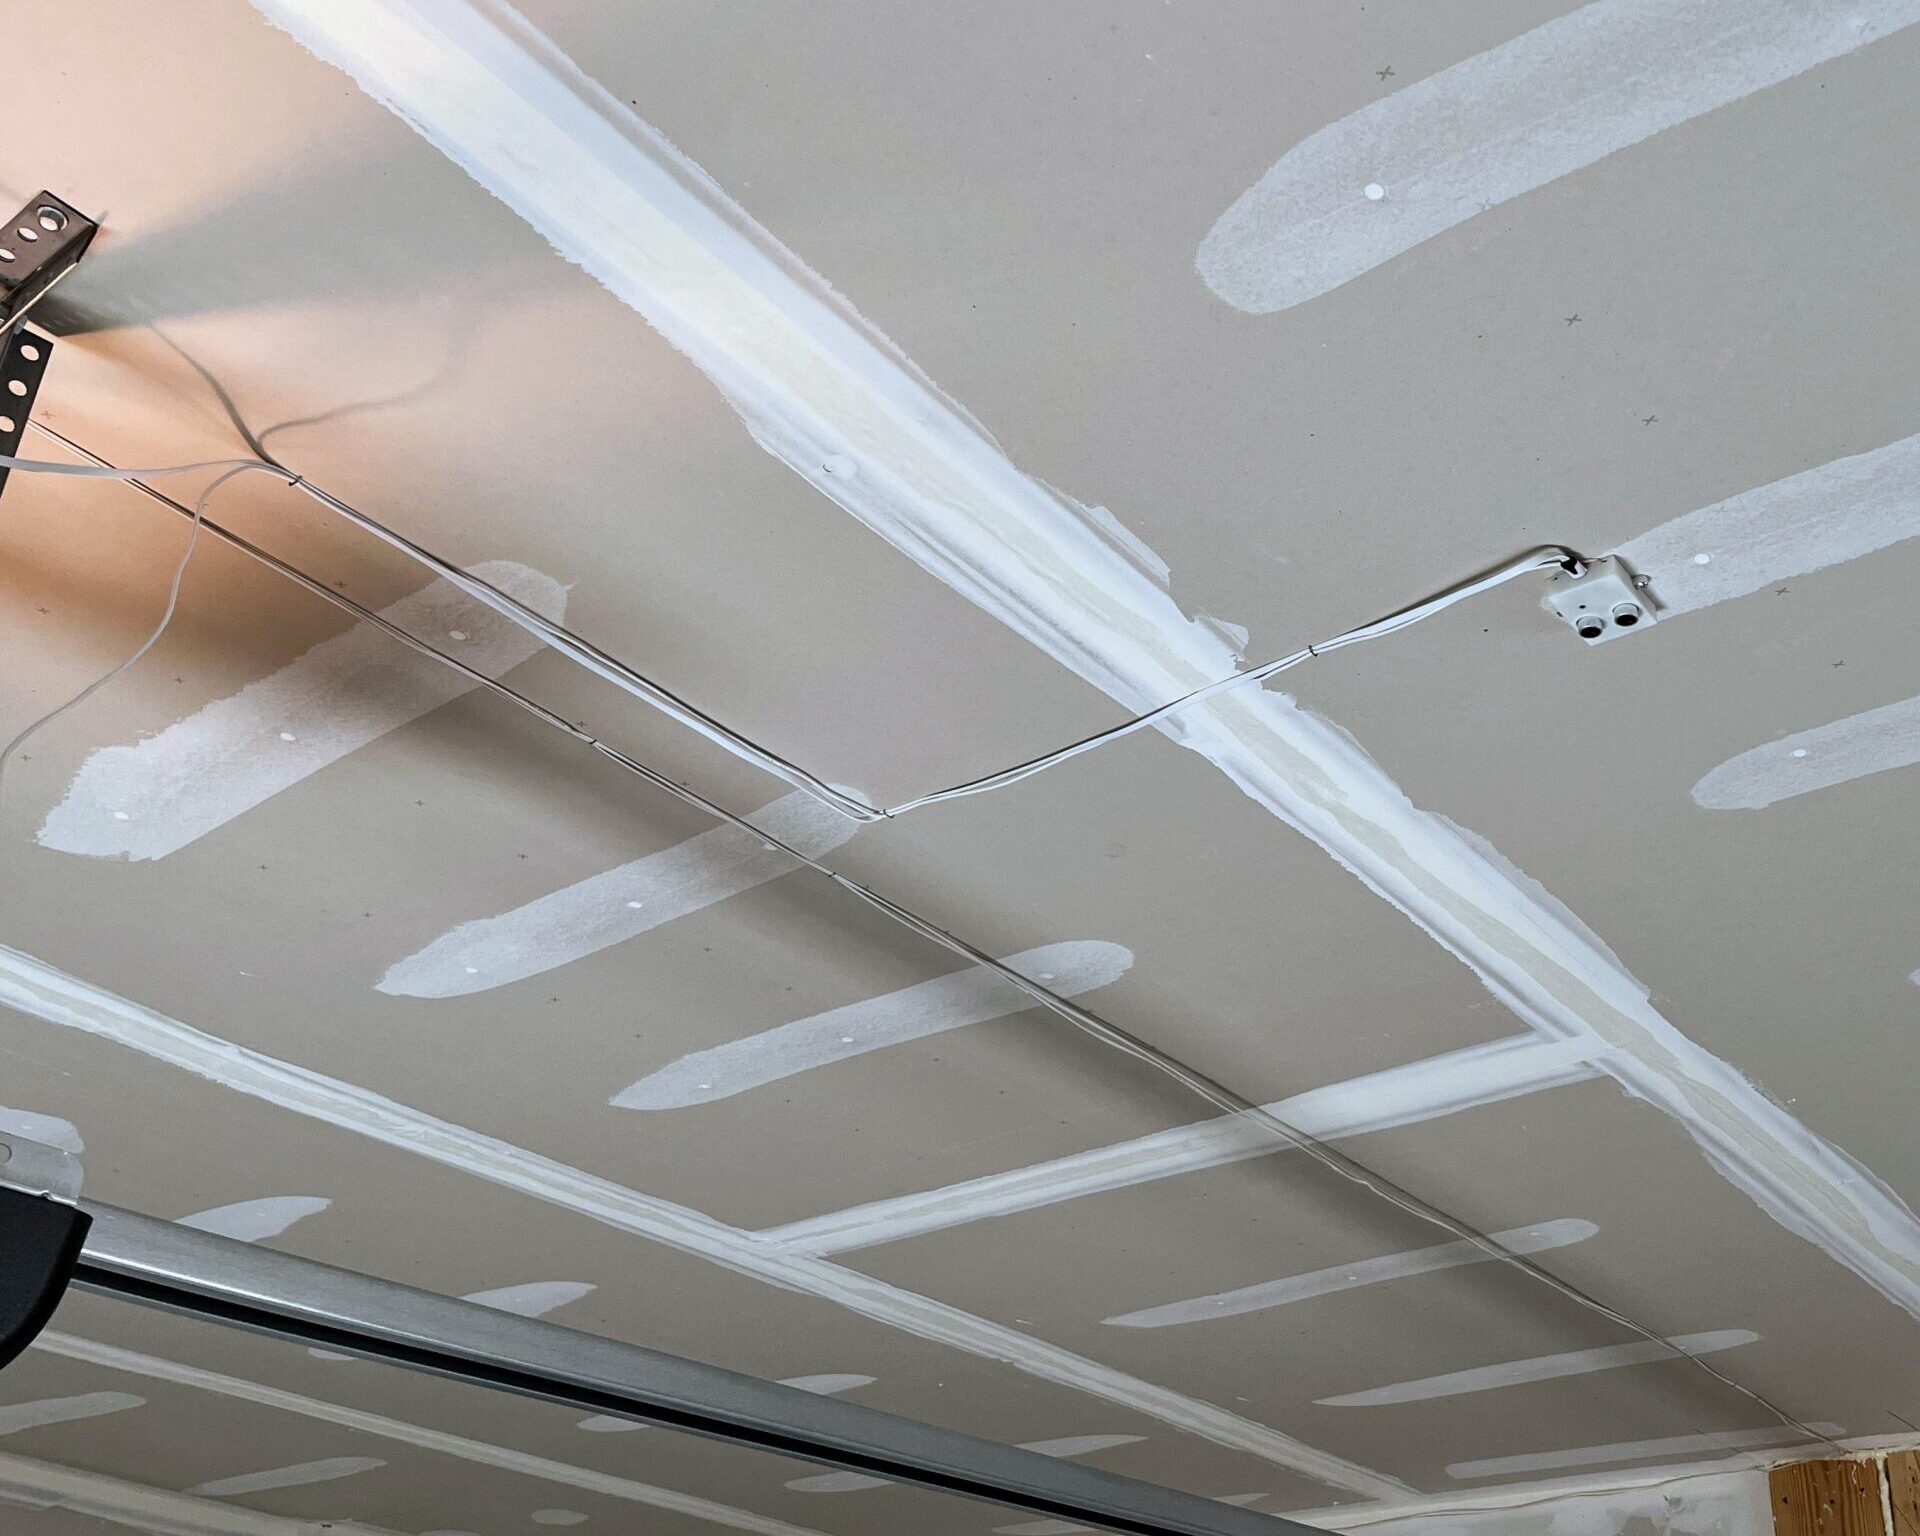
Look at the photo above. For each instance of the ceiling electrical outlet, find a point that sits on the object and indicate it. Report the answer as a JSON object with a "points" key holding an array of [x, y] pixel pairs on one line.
{"points": [[1605, 603]]}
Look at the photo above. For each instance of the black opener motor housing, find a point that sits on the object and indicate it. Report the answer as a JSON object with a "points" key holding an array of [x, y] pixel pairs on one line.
{"points": [[39, 1245]]}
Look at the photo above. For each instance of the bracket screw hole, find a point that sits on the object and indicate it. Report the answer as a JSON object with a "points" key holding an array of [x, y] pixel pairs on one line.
{"points": [[29, 351], [15, 387], [51, 218], [27, 233], [6, 425]]}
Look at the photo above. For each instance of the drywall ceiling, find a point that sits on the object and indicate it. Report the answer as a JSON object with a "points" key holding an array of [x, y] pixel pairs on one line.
{"points": [[791, 355]]}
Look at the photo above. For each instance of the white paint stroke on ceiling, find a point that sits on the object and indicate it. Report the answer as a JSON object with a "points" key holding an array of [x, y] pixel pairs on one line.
{"points": [[251, 1221], [153, 798], [1844, 509], [1873, 741], [1468, 1078], [296, 1476], [816, 385], [1515, 1373], [15, 1417], [535, 1299], [1065, 1448], [43, 1485], [70, 1347], [1066, 1528], [972, 996], [618, 904], [1639, 1450], [1348, 1277], [48, 1130], [1442, 150], [828, 1385], [38, 990]]}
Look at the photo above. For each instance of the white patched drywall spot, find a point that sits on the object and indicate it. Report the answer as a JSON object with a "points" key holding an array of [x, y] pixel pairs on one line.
{"points": [[48, 1130], [619, 904], [297, 1476], [1064, 1448], [822, 1386], [153, 798], [1844, 509], [972, 996], [1871, 742], [1513, 1373], [535, 1299], [38, 1414], [251, 1221], [1353, 1276], [1442, 150]]}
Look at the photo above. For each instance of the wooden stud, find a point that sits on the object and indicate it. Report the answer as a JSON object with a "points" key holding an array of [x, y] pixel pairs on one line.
{"points": [[1826, 1498], [1903, 1490]]}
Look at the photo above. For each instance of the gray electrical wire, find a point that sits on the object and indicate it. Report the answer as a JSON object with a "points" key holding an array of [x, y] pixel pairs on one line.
{"points": [[657, 695], [1101, 1029], [241, 467]]}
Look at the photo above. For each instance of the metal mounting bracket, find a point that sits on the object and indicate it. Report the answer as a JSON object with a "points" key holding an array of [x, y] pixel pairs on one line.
{"points": [[39, 246], [23, 363]]}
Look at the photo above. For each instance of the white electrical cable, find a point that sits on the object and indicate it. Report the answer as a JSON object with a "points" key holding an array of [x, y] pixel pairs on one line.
{"points": [[612, 670]]}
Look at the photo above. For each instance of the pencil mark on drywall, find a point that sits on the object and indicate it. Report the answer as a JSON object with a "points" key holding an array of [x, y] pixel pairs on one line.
{"points": [[1873, 741], [1423, 1090], [972, 996], [15, 1417], [1838, 511], [1439, 151], [38, 990], [618, 904], [250, 1221], [1350, 1277], [1639, 1450], [822, 1386], [1065, 1448], [535, 1299], [297, 1476], [1513, 1373], [155, 1367], [154, 797], [48, 1130]]}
